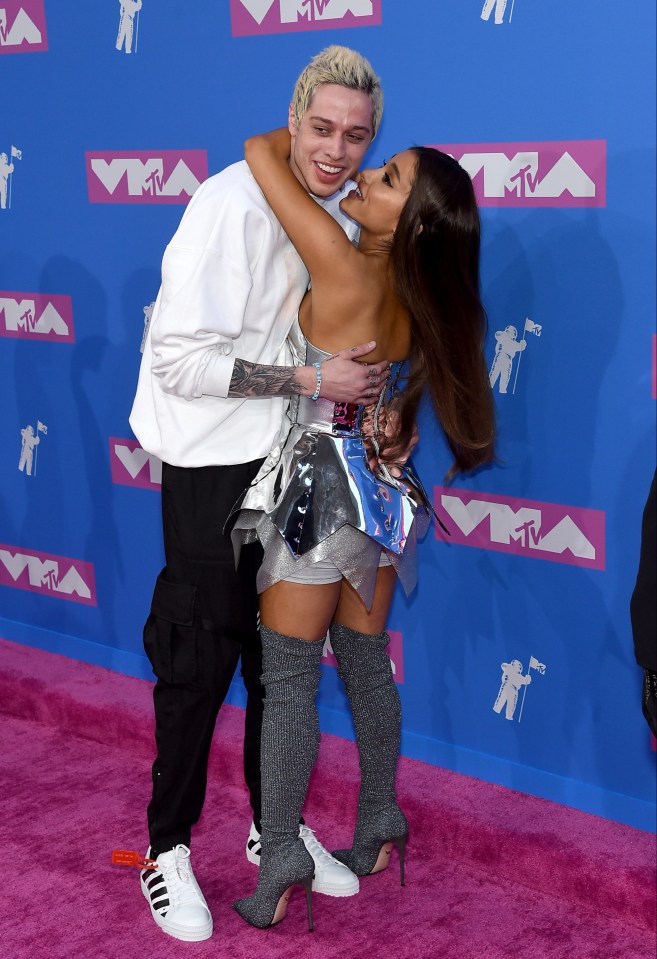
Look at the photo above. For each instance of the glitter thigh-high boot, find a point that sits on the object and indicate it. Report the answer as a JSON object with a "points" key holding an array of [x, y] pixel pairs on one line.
{"points": [[365, 668], [289, 746]]}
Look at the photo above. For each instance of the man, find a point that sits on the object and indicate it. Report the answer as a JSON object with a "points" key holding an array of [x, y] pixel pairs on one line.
{"points": [[212, 390]]}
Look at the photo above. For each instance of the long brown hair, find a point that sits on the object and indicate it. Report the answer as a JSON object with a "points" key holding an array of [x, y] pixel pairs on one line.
{"points": [[435, 259]]}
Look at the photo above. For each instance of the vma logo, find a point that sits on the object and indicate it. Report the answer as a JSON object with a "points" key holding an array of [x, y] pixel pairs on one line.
{"points": [[133, 466], [136, 176], [22, 26], [251, 17], [561, 534], [70, 579], [569, 173], [395, 652], [36, 316]]}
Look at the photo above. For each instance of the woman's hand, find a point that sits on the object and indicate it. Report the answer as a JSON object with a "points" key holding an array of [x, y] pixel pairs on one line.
{"points": [[389, 454]]}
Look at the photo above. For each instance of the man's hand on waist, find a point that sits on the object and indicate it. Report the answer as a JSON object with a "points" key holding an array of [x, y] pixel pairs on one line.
{"points": [[343, 380], [346, 381]]}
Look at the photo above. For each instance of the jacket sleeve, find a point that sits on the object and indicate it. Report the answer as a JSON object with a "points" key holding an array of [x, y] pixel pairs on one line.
{"points": [[201, 312]]}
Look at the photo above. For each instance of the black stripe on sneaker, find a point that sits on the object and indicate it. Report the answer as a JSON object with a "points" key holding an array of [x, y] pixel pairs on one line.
{"points": [[154, 881]]}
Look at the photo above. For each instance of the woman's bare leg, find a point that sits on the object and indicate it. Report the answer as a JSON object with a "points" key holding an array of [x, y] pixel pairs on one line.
{"points": [[352, 612], [299, 610]]}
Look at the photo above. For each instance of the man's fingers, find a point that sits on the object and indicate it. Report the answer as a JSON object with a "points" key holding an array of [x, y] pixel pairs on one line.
{"points": [[362, 350]]}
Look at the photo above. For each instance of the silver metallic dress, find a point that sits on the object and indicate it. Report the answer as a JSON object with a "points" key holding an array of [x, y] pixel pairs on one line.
{"points": [[316, 499]]}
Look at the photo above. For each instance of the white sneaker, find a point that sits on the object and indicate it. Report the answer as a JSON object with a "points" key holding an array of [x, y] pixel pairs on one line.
{"points": [[253, 846], [177, 903], [332, 878]]}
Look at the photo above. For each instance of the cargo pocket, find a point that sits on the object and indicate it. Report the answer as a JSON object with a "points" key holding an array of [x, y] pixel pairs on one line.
{"points": [[170, 633]]}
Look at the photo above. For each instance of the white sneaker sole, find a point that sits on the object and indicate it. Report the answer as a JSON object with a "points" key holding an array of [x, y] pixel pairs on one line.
{"points": [[252, 857], [197, 934], [337, 890]]}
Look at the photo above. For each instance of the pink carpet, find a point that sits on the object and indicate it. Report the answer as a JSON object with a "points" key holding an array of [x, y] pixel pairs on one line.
{"points": [[491, 873]]}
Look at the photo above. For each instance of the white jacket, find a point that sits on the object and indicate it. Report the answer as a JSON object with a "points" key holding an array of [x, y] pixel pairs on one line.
{"points": [[231, 286]]}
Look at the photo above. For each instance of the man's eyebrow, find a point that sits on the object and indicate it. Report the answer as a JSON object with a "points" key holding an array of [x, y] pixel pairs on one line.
{"points": [[330, 123]]}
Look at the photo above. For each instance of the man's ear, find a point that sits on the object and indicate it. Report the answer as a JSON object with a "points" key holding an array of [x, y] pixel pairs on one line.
{"points": [[291, 122]]}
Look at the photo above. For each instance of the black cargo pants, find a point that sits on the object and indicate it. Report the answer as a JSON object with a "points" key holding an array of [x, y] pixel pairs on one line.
{"points": [[203, 618]]}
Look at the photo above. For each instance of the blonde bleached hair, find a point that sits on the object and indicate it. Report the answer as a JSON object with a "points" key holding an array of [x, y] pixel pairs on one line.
{"points": [[341, 66]]}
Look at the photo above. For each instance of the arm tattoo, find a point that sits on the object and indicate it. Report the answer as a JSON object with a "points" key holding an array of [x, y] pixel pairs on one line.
{"points": [[254, 379]]}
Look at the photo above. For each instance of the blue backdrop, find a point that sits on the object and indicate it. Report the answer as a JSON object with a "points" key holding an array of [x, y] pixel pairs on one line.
{"points": [[112, 112]]}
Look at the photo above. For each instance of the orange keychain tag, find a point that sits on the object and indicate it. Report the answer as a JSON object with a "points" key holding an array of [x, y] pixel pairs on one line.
{"points": [[126, 857]]}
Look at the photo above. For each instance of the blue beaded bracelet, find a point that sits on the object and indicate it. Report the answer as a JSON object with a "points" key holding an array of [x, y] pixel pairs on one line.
{"points": [[318, 371]]}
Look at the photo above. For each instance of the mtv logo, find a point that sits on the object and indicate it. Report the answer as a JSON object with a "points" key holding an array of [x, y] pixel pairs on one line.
{"points": [[133, 466], [36, 316], [561, 534], [570, 173], [70, 579], [22, 26], [164, 176], [257, 17], [395, 652]]}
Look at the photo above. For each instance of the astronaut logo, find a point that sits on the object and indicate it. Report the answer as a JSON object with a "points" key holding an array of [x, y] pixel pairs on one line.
{"points": [[507, 347], [128, 25], [29, 443], [148, 313], [512, 682], [499, 6], [254, 17], [7, 167], [165, 176], [22, 26]]}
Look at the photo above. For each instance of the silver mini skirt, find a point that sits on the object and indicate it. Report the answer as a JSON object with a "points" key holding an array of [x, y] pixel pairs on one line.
{"points": [[315, 498]]}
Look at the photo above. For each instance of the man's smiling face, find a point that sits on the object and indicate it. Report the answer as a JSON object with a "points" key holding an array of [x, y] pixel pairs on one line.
{"points": [[331, 139]]}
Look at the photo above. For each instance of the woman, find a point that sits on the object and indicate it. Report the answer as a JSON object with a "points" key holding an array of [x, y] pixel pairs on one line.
{"points": [[335, 534]]}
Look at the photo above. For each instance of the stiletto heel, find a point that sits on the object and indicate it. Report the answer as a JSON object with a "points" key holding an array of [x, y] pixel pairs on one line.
{"points": [[376, 833], [307, 885], [279, 872], [400, 843]]}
